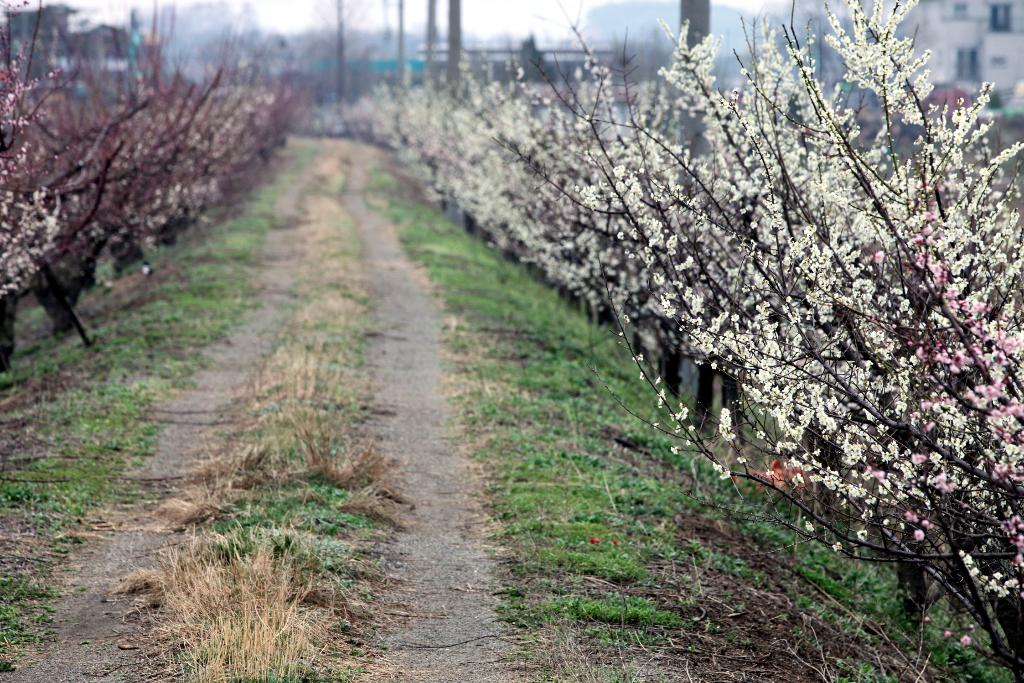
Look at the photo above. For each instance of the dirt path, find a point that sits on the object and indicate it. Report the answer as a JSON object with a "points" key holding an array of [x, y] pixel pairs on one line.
{"points": [[94, 640], [442, 575]]}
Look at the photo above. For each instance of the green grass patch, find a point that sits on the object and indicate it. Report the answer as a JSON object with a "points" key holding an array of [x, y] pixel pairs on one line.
{"points": [[611, 609], [313, 506], [18, 625]]}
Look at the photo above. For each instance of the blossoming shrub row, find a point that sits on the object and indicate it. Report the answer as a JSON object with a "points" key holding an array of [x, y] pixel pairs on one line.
{"points": [[863, 297], [125, 165]]}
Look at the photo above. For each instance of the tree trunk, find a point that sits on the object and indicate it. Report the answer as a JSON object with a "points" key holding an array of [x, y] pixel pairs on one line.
{"points": [[705, 394], [167, 235], [1008, 614], [672, 370], [72, 277], [914, 588], [126, 254], [730, 400], [8, 307], [698, 14]]}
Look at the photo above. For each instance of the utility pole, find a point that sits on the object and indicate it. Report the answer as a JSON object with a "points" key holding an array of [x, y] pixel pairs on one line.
{"points": [[431, 38], [454, 42], [682, 373], [698, 12], [340, 75], [401, 42]]}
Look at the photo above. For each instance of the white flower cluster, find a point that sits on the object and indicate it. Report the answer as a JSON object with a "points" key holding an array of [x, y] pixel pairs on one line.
{"points": [[851, 257], [28, 222], [27, 231]]}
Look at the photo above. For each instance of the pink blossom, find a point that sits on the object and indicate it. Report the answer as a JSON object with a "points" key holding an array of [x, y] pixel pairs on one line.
{"points": [[943, 483]]}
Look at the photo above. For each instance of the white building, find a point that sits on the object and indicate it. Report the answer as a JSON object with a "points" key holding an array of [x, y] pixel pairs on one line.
{"points": [[973, 41]]}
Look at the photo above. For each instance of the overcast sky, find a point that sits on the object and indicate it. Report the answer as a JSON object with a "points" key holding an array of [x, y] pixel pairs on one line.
{"points": [[481, 18]]}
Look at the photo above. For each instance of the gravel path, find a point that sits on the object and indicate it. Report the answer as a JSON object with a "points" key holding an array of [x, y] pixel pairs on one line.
{"points": [[94, 641], [442, 576]]}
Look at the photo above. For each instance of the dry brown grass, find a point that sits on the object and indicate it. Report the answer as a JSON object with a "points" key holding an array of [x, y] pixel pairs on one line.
{"points": [[356, 467], [561, 651], [292, 436], [238, 607], [197, 508]]}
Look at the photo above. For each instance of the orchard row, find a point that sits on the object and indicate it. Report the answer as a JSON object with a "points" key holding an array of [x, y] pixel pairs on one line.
{"points": [[847, 258], [98, 165]]}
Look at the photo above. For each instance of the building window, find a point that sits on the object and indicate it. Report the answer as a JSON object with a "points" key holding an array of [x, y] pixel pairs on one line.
{"points": [[999, 62], [960, 10], [1000, 15], [967, 64]]}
